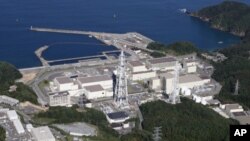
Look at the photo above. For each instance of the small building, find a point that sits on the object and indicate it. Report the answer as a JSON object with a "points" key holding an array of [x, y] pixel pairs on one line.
{"points": [[190, 66], [156, 84], [12, 115], [59, 99], [136, 66], [18, 126], [65, 84], [42, 134], [144, 75], [202, 98], [96, 91], [164, 63], [232, 108], [117, 117], [104, 80], [8, 100]]}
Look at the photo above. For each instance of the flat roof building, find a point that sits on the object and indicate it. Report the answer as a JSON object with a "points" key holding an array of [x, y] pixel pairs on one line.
{"points": [[18, 126], [59, 99], [104, 80], [96, 91], [12, 115], [164, 63], [192, 80], [136, 66], [42, 134], [64, 84], [136, 76]]}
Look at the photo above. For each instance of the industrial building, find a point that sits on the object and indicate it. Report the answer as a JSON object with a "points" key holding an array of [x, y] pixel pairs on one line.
{"points": [[192, 80], [117, 117], [42, 134], [59, 99], [190, 66], [18, 126], [136, 66], [203, 99], [8, 100], [96, 91], [143, 75], [12, 115], [65, 84], [156, 84], [104, 80], [164, 63]]}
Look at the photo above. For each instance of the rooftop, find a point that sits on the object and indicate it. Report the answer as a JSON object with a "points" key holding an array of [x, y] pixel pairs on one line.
{"points": [[42, 133], [135, 63], [94, 79], [117, 115], [94, 88], [233, 106], [64, 93], [162, 60], [189, 78], [64, 80]]}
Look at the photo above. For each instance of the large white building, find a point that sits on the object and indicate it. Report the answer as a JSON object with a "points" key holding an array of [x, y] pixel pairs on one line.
{"points": [[164, 63], [168, 81], [59, 99], [137, 76], [192, 80], [12, 115], [190, 66], [96, 91], [65, 84], [104, 80], [136, 66], [18, 126], [42, 134]]}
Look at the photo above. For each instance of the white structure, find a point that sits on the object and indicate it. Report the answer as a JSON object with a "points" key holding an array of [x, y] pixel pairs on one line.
{"points": [[136, 76], [104, 80], [203, 99], [190, 66], [59, 99], [64, 84], [156, 84], [164, 63], [121, 90], [12, 115], [42, 134], [117, 117], [169, 83], [136, 66], [232, 108], [192, 80], [29, 127], [18, 126], [96, 91], [8, 100]]}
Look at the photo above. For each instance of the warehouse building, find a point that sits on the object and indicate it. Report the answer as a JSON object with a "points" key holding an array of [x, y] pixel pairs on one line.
{"points": [[65, 84], [96, 91], [12, 115], [42, 134], [164, 63], [136, 66], [137, 76], [104, 80], [192, 80], [18, 126], [59, 99]]}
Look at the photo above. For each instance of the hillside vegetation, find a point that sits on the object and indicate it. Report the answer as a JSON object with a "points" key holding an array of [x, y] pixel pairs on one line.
{"points": [[233, 17], [229, 16], [187, 121], [177, 48], [2, 134], [8, 75]]}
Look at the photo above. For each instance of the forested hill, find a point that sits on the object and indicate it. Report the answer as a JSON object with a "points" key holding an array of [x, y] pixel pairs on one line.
{"points": [[228, 16]]}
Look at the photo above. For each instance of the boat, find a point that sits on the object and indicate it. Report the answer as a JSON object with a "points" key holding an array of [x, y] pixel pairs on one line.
{"points": [[220, 42], [183, 10]]}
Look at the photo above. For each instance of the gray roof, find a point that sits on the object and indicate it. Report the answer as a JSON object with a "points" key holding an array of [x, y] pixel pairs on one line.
{"points": [[42, 133], [189, 78], [94, 88], [94, 79], [243, 119], [233, 106], [58, 94], [63, 80], [162, 60], [135, 63]]}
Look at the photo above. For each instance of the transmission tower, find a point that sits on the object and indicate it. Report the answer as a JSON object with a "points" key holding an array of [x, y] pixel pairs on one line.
{"points": [[237, 86], [157, 134], [174, 97], [121, 91]]}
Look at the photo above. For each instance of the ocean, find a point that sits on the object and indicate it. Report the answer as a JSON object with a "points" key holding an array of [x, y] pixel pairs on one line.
{"points": [[159, 20]]}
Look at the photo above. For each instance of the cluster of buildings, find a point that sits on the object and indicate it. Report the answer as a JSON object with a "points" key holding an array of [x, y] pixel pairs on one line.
{"points": [[10, 120]]}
